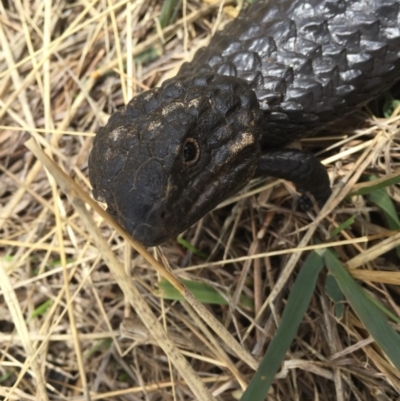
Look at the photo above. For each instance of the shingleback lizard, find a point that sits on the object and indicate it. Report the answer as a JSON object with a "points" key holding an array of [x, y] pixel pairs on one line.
{"points": [[280, 71]]}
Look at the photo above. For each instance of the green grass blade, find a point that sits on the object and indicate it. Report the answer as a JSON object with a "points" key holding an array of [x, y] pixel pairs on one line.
{"points": [[191, 248], [381, 199], [149, 55], [377, 183], [167, 11], [370, 315], [390, 106], [343, 226], [296, 306], [385, 310], [203, 292], [6, 376], [41, 309], [101, 345], [335, 294]]}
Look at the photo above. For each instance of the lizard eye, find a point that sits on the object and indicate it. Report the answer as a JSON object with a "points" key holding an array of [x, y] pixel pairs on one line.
{"points": [[191, 152]]}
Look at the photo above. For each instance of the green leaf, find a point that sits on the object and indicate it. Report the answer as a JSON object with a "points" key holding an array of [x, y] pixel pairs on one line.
{"points": [[370, 315], [383, 308], [100, 345], [169, 12], [191, 248], [334, 292], [343, 226], [203, 292], [41, 309], [377, 183], [6, 376], [390, 106], [296, 306], [381, 199], [57, 263], [123, 377], [149, 55]]}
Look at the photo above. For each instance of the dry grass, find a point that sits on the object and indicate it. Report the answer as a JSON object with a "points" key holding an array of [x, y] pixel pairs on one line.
{"points": [[79, 317]]}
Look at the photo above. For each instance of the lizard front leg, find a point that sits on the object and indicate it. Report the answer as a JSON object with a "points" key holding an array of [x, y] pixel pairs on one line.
{"points": [[299, 166]]}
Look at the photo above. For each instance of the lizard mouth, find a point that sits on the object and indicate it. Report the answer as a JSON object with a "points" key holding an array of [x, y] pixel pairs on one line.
{"points": [[150, 236], [165, 220], [179, 208]]}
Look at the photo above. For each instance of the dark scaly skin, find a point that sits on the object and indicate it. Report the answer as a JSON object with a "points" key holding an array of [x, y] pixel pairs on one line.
{"points": [[277, 73]]}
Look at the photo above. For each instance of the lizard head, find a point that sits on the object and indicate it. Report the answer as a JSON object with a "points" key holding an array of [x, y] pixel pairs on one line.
{"points": [[174, 153]]}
